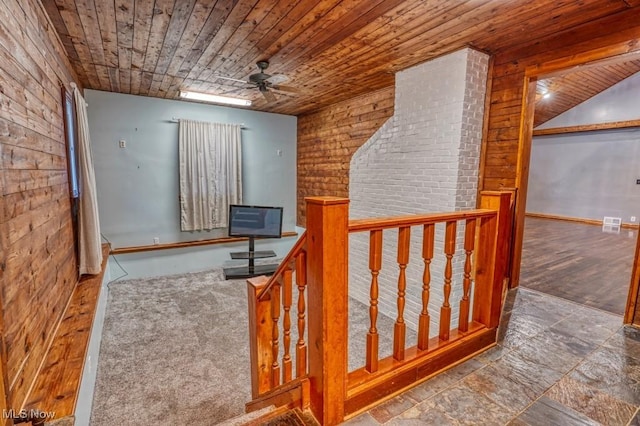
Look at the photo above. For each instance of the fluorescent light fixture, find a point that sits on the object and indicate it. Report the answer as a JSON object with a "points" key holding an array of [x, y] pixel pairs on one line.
{"points": [[206, 97]]}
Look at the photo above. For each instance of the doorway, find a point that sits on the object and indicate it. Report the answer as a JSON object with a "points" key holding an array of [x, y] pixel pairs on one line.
{"points": [[561, 247]]}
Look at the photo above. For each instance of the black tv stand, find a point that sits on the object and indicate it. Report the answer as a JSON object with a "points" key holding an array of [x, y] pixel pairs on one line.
{"points": [[260, 254], [252, 270]]}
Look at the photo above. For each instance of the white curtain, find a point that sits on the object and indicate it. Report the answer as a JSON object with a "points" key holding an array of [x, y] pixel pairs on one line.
{"points": [[88, 219], [210, 173]]}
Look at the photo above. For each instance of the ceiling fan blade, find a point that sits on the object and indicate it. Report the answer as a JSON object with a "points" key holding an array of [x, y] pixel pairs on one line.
{"points": [[230, 79], [282, 88], [278, 78], [270, 97]]}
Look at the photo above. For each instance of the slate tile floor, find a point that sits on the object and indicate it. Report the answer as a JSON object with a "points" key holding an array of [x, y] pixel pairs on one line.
{"points": [[557, 363]]}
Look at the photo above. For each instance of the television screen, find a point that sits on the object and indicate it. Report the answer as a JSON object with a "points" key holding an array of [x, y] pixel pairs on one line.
{"points": [[255, 221]]}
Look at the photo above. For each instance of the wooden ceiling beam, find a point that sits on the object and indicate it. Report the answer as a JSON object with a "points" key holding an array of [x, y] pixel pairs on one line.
{"points": [[587, 128]]}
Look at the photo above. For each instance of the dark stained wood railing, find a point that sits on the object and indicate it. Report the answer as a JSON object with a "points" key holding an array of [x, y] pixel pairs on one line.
{"points": [[319, 263]]}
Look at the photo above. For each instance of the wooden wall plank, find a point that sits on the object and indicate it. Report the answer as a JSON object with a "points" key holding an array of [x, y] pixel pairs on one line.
{"points": [[325, 150], [507, 160], [37, 253]]}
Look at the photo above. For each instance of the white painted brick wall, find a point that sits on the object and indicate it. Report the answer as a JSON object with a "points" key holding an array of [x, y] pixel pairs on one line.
{"points": [[423, 159]]}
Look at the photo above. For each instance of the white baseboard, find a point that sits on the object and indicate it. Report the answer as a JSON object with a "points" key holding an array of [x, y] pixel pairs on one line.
{"points": [[88, 381]]}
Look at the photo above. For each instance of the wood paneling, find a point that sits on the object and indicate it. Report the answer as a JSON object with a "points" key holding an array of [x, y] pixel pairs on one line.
{"points": [[327, 139], [331, 50], [510, 126], [568, 90], [57, 386], [38, 267]]}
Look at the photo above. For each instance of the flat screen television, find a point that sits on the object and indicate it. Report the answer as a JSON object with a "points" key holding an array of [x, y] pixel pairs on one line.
{"points": [[255, 221]]}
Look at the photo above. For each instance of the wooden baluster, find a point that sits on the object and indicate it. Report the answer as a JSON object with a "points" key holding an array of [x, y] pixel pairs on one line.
{"points": [[427, 255], [287, 300], [275, 316], [400, 328], [301, 347], [375, 263], [469, 242], [449, 250]]}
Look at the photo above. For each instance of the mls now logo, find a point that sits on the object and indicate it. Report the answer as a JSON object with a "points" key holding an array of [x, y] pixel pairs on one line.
{"points": [[36, 417]]}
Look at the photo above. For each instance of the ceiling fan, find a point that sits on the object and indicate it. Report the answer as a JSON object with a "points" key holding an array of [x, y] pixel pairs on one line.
{"points": [[264, 82]]}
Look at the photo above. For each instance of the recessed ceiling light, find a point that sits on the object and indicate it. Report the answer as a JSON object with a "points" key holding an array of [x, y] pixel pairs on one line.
{"points": [[546, 95], [206, 97]]}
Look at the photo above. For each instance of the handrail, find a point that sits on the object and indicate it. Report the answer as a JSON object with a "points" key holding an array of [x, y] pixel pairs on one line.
{"points": [[370, 224], [320, 273], [292, 253]]}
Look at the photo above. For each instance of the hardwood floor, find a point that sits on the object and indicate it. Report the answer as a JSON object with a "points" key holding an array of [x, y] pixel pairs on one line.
{"points": [[578, 262]]}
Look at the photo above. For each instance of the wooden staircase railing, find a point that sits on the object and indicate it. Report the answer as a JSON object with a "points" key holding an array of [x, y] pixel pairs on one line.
{"points": [[270, 304], [320, 263]]}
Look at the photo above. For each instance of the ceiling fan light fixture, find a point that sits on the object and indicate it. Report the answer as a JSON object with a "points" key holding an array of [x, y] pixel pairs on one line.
{"points": [[207, 97]]}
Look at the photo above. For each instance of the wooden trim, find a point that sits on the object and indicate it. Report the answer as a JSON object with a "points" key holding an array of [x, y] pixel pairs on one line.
{"points": [[565, 218], [532, 73], [360, 225], [634, 288], [364, 392], [522, 175], [619, 51], [57, 383], [587, 128], [578, 220], [294, 394], [224, 240], [297, 247]]}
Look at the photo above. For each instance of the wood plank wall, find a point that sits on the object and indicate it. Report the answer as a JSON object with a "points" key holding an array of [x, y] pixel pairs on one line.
{"points": [[613, 35], [508, 82], [37, 261], [328, 138]]}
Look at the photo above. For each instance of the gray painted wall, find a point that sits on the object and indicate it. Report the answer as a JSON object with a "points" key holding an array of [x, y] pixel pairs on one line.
{"points": [[590, 175], [138, 185]]}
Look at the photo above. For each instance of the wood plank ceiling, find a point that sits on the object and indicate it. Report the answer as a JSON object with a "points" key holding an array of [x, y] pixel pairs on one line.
{"points": [[330, 50], [569, 89]]}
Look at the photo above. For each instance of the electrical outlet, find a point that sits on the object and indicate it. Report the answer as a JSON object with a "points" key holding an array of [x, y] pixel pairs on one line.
{"points": [[156, 240], [633, 218], [123, 143]]}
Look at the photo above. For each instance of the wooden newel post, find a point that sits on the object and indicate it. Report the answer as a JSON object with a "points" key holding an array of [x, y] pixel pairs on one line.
{"points": [[327, 276], [492, 258], [260, 335]]}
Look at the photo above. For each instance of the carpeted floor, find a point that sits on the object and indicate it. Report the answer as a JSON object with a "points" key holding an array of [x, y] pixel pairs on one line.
{"points": [[171, 352], [175, 350]]}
